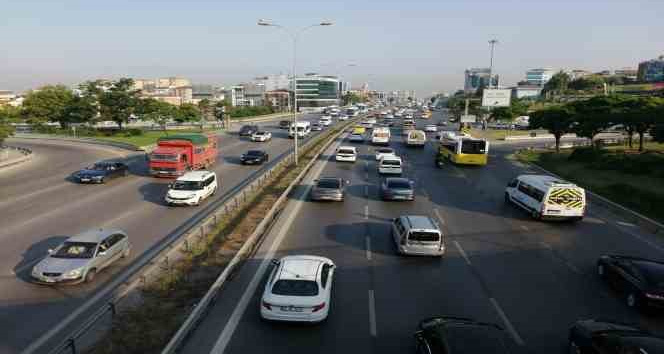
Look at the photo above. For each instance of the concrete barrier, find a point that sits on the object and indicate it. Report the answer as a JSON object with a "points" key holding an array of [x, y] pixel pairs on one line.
{"points": [[25, 155]]}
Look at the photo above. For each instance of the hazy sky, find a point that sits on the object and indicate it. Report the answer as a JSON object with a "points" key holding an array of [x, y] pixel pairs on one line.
{"points": [[407, 44]]}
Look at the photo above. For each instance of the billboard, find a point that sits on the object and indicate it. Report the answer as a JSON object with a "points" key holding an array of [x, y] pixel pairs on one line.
{"points": [[468, 118], [496, 97]]}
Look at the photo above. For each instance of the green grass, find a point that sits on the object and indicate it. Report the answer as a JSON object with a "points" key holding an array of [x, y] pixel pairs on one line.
{"points": [[642, 192], [648, 146], [146, 138], [499, 134]]}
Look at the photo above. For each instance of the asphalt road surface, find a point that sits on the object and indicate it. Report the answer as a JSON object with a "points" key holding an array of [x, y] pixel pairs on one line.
{"points": [[532, 278], [40, 206]]}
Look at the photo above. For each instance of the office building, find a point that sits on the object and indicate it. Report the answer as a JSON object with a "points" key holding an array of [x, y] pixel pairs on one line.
{"points": [[539, 77], [577, 73], [280, 100], [651, 70], [274, 82], [173, 90], [477, 77], [314, 91], [6, 96], [247, 94]]}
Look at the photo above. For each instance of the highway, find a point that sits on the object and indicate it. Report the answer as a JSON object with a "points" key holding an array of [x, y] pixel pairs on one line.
{"points": [[532, 278], [40, 206]]}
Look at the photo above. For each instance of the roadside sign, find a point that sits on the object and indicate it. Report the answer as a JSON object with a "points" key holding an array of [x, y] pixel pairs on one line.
{"points": [[496, 97], [470, 118]]}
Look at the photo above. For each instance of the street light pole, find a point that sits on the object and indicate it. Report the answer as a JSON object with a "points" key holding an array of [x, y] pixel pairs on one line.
{"points": [[492, 43], [294, 36]]}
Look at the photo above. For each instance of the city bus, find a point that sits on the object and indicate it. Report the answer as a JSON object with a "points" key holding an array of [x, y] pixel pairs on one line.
{"points": [[462, 150]]}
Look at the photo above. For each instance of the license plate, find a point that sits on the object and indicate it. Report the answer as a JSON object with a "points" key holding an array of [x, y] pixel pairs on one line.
{"points": [[85, 180], [291, 309], [163, 172]]}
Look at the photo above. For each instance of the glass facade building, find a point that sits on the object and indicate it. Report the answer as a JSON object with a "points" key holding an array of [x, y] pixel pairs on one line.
{"points": [[651, 70], [318, 91]]}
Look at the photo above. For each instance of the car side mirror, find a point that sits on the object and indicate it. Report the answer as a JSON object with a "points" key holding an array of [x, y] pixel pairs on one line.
{"points": [[275, 262], [170, 185], [51, 250], [102, 253]]}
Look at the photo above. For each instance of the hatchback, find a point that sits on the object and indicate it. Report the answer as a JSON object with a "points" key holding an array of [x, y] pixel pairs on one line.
{"points": [[396, 188]]}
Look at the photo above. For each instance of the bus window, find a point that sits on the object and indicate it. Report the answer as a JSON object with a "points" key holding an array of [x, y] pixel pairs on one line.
{"points": [[473, 147]]}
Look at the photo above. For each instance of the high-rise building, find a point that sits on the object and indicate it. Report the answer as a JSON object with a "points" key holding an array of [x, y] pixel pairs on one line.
{"points": [[274, 82], [651, 70], [172, 90], [315, 91], [477, 77], [248, 94], [539, 76]]}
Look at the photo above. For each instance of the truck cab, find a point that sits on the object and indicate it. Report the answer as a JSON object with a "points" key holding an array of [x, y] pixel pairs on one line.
{"points": [[179, 153]]}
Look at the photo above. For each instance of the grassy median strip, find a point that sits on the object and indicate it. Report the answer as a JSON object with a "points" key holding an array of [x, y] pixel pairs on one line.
{"points": [[146, 326], [634, 180]]}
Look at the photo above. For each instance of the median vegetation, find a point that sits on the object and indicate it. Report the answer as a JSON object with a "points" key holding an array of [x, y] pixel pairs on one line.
{"points": [[147, 327]]}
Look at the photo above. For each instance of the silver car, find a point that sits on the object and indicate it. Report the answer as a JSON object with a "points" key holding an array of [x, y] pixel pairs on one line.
{"points": [[79, 258], [329, 188]]}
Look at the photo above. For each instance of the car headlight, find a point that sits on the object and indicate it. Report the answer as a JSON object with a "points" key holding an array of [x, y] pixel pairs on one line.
{"points": [[193, 195], [74, 273]]}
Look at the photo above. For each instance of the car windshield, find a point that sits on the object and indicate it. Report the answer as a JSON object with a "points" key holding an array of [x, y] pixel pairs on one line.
{"points": [[654, 272], [187, 186], [289, 287], [346, 151], [398, 184], [164, 157], [423, 236], [76, 250], [98, 167], [260, 133], [328, 183], [254, 153]]}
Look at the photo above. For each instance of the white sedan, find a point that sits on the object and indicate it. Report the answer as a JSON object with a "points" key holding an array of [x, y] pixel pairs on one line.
{"points": [[299, 289], [380, 152], [343, 117], [261, 136], [432, 128]]}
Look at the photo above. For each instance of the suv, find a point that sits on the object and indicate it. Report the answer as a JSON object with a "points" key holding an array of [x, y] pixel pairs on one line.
{"points": [[458, 335], [609, 337], [191, 188], [79, 258], [417, 235]]}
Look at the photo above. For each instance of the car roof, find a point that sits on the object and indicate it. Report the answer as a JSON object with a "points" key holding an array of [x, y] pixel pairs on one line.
{"points": [[195, 176], [299, 268], [545, 181], [255, 151], [329, 178], [94, 235], [347, 147], [420, 222], [461, 335], [390, 157]]}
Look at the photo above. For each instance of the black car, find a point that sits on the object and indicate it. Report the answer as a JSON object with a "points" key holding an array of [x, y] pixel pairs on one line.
{"points": [[640, 280], [610, 337], [248, 130], [284, 124], [101, 172], [397, 188], [458, 335], [254, 157]]}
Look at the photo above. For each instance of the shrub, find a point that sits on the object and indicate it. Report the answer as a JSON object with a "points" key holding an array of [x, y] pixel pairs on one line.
{"points": [[586, 154]]}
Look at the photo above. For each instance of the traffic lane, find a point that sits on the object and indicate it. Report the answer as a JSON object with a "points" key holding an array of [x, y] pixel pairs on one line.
{"points": [[130, 207]]}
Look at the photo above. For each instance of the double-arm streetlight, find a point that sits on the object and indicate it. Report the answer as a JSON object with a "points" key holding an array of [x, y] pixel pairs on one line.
{"points": [[294, 34]]}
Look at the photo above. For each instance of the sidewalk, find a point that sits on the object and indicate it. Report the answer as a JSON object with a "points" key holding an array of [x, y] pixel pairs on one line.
{"points": [[10, 156]]}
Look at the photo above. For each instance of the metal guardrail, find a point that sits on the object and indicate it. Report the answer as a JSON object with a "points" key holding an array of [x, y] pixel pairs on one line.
{"points": [[153, 262]]}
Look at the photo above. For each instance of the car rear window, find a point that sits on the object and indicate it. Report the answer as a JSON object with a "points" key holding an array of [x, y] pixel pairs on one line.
{"points": [[289, 287], [386, 151], [423, 236], [346, 151], [254, 153], [398, 184], [328, 183], [390, 163]]}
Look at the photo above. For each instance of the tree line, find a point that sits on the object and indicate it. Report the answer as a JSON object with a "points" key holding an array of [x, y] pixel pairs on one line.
{"points": [[587, 118]]}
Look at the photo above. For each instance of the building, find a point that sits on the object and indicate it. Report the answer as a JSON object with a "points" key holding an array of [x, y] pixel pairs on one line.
{"points": [[247, 94], [526, 91], [477, 77], [651, 70], [6, 97], [577, 73], [627, 72], [171, 90], [280, 100], [314, 91], [274, 82], [539, 77]]}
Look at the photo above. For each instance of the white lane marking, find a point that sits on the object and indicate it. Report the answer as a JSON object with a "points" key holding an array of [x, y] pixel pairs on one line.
{"points": [[592, 220], [366, 212], [368, 251], [622, 223], [366, 176], [366, 190], [506, 321], [547, 246], [366, 166], [524, 227], [463, 253], [26, 266], [372, 314], [241, 307], [641, 238], [440, 218]]}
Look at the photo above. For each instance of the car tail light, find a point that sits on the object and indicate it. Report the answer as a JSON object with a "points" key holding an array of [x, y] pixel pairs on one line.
{"points": [[318, 307], [267, 305]]}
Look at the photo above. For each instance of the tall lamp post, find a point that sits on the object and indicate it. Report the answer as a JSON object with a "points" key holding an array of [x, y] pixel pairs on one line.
{"points": [[492, 43], [294, 34]]}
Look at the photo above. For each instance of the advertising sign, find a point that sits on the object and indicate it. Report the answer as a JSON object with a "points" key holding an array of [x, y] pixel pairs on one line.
{"points": [[496, 97]]}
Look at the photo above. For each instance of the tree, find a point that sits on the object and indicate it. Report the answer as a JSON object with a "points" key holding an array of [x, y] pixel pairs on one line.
{"points": [[48, 103], [6, 131], [586, 83], [557, 84], [646, 116], [9, 114], [119, 101], [558, 120], [81, 109], [206, 108], [158, 111], [352, 98], [187, 112], [591, 116]]}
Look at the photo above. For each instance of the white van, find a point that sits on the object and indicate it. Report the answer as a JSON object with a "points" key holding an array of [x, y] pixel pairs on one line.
{"points": [[303, 129], [418, 235], [416, 138], [380, 136], [325, 120], [547, 197], [191, 188], [346, 153], [390, 164]]}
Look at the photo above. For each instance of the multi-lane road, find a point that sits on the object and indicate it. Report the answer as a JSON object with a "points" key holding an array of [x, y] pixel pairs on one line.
{"points": [[532, 278], [40, 206]]}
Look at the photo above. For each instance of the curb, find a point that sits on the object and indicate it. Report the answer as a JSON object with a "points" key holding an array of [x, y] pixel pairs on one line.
{"points": [[640, 220], [93, 141], [27, 156]]}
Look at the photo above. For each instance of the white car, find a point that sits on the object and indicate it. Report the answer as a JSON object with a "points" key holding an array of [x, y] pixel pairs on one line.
{"points": [[261, 136], [343, 117], [346, 153], [316, 127], [371, 120], [431, 128], [299, 289], [191, 188], [325, 120], [381, 152]]}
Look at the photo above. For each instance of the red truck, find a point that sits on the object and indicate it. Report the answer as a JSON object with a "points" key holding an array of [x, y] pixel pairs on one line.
{"points": [[179, 153]]}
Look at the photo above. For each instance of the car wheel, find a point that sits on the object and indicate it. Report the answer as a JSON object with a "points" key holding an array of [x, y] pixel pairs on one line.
{"points": [[90, 275], [536, 215], [198, 202], [508, 200], [574, 348], [102, 180], [631, 300], [126, 252], [600, 270], [125, 173], [214, 191]]}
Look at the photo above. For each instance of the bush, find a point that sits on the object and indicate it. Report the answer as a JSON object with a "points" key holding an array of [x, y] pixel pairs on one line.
{"points": [[133, 132], [586, 154], [649, 163], [646, 200]]}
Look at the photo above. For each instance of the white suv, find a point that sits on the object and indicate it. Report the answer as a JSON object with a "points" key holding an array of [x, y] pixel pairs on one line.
{"points": [[346, 153], [191, 188]]}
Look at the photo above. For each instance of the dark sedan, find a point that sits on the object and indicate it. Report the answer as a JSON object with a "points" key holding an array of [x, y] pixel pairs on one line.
{"points": [[248, 130], [397, 188], [329, 188], [254, 157], [639, 280], [458, 335], [101, 172], [609, 337], [284, 124]]}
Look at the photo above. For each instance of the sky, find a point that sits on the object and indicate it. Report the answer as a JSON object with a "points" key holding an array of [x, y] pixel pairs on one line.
{"points": [[408, 45]]}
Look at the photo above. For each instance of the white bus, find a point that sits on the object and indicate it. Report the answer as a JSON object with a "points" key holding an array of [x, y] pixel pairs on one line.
{"points": [[380, 136], [303, 129]]}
